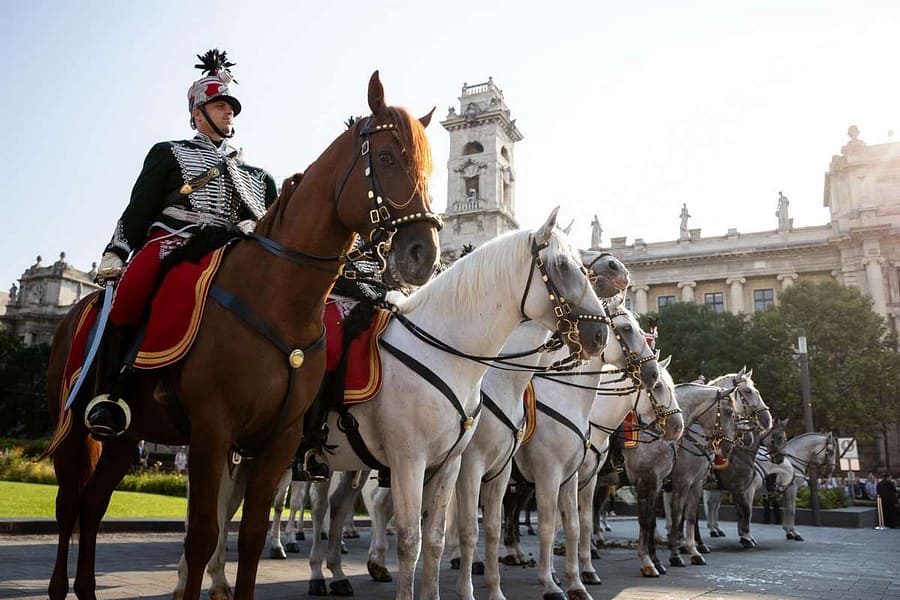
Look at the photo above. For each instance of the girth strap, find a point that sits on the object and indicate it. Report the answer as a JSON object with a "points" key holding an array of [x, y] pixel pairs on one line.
{"points": [[518, 433], [563, 420]]}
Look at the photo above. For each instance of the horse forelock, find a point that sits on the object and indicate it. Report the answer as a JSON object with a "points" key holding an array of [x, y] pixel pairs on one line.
{"points": [[475, 275], [418, 148]]}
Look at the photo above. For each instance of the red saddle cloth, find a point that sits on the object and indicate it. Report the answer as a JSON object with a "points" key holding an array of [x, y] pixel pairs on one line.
{"points": [[720, 462], [364, 370], [174, 319], [530, 401], [177, 311], [631, 430]]}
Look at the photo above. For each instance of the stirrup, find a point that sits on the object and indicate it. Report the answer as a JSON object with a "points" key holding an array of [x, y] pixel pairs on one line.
{"points": [[309, 456], [102, 431]]}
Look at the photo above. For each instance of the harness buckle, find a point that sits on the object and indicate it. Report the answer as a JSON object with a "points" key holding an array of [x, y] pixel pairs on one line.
{"points": [[558, 310], [384, 212], [467, 424], [373, 216], [520, 435], [236, 458], [364, 149]]}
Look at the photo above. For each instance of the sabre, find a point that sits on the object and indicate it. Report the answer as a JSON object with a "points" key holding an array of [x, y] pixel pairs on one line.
{"points": [[95, 344]]}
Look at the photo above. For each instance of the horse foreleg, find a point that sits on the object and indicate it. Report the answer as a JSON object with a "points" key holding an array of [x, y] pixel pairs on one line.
{"points": [[381, 508], [205, 470], [263, 476], [743, 503], [569, 515], [341, 501], [646, 499], [585, 513], [407, 478], [712, 502], [492, 515], [435, 501], [115, 459], [276, 549], [463, 524], [293, 530], [318, 498], [547, 492], [788, 512], [675, 528], [513, 503], [691, 506]]}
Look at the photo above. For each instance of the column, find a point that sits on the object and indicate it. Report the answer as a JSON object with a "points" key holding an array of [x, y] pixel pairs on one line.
{"points": [[687, 290], [737, 294], [875, 279], [787, 279], [640, 298]]}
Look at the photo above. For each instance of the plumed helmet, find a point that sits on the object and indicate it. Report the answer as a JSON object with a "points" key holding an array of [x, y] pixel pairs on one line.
{"points": [[214, 84]]}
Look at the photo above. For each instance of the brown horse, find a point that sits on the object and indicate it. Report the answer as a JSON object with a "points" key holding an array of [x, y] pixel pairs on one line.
{"points": [[241, 386]]}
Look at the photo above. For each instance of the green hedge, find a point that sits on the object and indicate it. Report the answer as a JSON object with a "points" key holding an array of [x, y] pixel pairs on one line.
{"points": [[17, 465], [29, 447], [828, 498]]}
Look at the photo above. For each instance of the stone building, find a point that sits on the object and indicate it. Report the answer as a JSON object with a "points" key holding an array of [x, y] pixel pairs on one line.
{"points": [[481, 177], [43, 297]]}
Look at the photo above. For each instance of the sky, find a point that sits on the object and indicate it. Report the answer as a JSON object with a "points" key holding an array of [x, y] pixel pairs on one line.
{"points": [[628, 110]]}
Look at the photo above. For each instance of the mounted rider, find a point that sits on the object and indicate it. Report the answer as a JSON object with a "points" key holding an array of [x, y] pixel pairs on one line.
{"points": [[184, 187]]}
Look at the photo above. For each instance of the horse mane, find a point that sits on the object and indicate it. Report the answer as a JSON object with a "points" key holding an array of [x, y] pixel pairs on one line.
{"points": [[465, 281]]}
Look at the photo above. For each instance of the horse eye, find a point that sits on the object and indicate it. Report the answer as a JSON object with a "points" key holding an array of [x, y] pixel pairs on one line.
{"points": [[628, 329], [386, 157]]}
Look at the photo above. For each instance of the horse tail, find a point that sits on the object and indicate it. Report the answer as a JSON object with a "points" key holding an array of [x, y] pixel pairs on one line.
{"points": [[57, 384]]}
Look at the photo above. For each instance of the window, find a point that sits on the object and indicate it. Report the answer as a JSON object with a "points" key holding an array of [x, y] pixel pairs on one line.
{"points": [[628, 303], [665, 301], [472, 148], [763, 299], [715, 300]]}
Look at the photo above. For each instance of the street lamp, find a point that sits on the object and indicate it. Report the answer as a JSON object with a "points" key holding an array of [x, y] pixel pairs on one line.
{"points": [[808, 422]]}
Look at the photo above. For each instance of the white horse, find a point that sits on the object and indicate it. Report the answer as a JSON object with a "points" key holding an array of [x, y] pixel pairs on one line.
{"points": [[560, 444], [807, 453], [657, 408], [421, 421]]}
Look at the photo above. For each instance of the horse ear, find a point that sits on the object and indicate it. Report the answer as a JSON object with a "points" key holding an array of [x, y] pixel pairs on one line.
{"points": [[568, 229], [750, 374], [543, 234], [665, 362], [376, 95], [743, 371], [427, 118]]}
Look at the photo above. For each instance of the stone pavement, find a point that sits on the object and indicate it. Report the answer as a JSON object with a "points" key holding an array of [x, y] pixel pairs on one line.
{"points": [[832, 563]]}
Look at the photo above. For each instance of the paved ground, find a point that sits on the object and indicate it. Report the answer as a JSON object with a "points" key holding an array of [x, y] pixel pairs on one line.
{"points": [[831, 564]]}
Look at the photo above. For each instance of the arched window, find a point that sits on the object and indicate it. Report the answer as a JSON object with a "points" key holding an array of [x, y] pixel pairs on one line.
{"points": [[504, 153], [472, 148]]}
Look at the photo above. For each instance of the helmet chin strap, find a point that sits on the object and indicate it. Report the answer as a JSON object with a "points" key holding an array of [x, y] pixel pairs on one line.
{"points": [[213, 124]]}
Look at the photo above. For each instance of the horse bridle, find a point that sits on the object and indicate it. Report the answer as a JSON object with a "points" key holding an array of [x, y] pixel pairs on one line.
{"points": [[751, 413], [384, 227], [566, 319]]}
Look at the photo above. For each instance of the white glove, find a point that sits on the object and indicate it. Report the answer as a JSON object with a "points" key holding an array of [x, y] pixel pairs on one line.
{"points": [[110, 266], [247, 226], [395, 297]]}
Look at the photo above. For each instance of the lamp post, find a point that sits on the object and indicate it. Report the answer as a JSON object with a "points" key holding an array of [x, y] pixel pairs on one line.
{"points": [[808, 423]]}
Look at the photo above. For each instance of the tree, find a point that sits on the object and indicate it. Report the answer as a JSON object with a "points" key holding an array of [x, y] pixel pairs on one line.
{"points": [[23, 381]]}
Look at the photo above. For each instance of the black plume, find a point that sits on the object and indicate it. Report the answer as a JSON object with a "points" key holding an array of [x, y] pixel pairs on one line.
{"points": [[214, 61]]}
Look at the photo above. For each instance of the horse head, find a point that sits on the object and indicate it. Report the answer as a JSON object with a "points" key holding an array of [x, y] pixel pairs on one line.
{"points": [[573, 310], [726, 426], [830, 454], [776, 440], [631, 350], [749, 405], [658, 405], [609, 276], [383, 193]]}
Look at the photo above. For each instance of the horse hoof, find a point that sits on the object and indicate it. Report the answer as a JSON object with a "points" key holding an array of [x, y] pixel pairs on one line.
{"points": [[595, 553], [607, 528], [317, 587], [344, 548], [649, 571], [292, 547], [378, 572], [454, 564], [554, 596], [747, 544], [277, 553], [300, 536], [559, 550], [511, 560], [531, 531], [703, 549], [341, 587], [720, 532], [713, 533], [590, 578], [578, 595], [698, 560], [683, 549], [753, 541], [789, 535], [676, 561], [797, 537], [659, 567], [478, 568], [351, 535]]}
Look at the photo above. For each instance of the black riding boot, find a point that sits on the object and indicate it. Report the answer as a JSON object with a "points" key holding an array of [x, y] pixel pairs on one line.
{"points": [[307, 466], [108, 415]]}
